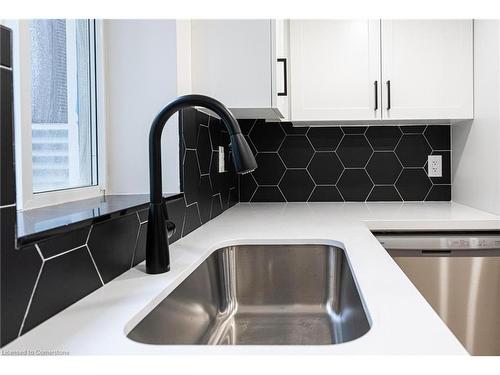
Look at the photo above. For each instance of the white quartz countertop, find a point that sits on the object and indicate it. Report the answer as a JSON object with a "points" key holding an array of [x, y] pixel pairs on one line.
{"points": [[402, 322]]}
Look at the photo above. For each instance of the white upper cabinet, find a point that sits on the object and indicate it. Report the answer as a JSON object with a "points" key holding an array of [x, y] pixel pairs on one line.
{"points": [[335, 70], [427, 69], [381, 70], [237, 62]]}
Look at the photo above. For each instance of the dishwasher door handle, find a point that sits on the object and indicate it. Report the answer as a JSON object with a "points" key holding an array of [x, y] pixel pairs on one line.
{"points": [[436, 252]]}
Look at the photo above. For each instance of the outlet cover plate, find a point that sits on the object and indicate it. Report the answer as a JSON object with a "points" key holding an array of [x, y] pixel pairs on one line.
{"points": [[435, 166], [222, 167]]}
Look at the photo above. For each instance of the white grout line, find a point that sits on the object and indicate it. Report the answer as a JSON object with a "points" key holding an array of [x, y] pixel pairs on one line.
{"points": [[311, 193], [369, 159], [8, 205], [399, 140], [399, 175], [256, 186], [368, 141], [31, 297], [341, 139], [281, 192], [88, 235], [341, 195], [199, 213], [183, 222], [136, 238], [428, 192], [281, 143], [95, 265], [251, 127], [139, 217], [185, 216], [39, 252], [397, 191], [65, 252], [197, 161], [247, 137], [370, 177]]}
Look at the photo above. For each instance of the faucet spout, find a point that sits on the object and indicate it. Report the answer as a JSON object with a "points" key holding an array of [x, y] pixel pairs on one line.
{"points": [[157, 252]]}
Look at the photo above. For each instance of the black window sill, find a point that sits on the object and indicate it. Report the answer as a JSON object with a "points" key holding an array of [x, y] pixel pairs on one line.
{"points": [[40, 223]]}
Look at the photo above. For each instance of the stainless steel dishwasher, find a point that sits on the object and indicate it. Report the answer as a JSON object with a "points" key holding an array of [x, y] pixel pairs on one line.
{"points": [[458, 273]]}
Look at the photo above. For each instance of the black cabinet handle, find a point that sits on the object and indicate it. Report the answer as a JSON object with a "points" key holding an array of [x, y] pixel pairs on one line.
{"points": [[285, 84], [388, 95], [376, 94]]}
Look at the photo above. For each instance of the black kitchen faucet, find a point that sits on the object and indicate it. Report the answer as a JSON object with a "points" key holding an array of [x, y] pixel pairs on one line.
{"points": [[159, 228]]}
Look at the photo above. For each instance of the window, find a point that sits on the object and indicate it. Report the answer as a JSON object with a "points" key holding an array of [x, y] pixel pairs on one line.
{"points": [[58, 112], [62, 104]]}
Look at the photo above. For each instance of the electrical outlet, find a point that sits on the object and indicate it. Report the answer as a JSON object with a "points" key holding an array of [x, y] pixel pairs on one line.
{"points": [[222, 167], [435, 166]]}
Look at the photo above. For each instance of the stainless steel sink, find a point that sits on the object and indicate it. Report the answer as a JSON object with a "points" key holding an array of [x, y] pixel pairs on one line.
{"points": [[261, 295]]}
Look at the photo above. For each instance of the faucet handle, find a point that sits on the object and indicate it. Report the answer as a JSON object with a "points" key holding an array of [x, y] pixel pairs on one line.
{"points": [[171, 228], [169, 224]]}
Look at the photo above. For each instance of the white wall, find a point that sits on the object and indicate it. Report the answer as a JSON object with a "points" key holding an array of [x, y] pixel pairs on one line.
{"points": [[141, 78], [184, 57], [475, 144]]}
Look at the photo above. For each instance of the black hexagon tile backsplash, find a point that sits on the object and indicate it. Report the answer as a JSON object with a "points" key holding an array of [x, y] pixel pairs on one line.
{"points": [[55, 273], [348, 163]]}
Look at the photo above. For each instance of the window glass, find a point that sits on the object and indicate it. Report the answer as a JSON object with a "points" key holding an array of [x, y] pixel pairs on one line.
{"points": [[63, 104]]}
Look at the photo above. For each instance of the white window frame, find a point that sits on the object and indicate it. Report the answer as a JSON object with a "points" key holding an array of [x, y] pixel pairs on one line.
{"points": [[26, 198]]}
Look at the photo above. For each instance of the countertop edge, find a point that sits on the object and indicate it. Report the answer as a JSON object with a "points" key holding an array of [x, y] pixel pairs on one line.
{"points": [[122, 302]]}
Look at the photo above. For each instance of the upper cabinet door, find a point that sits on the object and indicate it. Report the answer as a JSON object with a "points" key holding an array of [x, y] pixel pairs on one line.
{"points": [[231, 61], [335, 70], [237, 62], [427, 69]]}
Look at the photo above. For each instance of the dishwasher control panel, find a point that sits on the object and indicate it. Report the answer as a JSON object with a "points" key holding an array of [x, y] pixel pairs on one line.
{"points": [[436, 241]]}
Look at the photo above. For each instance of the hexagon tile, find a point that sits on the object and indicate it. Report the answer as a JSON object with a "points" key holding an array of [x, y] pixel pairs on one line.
{"points": [[296, 151], [266, 136], [328, 175], [296, 185], [270, 170], [354, 151], [354, 163]]}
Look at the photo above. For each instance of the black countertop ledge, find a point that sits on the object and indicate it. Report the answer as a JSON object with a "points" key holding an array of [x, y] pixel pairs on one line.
{"points": [[40, 223]]}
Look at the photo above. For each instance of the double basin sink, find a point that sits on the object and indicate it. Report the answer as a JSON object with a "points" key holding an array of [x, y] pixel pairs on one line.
{"points": [[261, 295]]}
